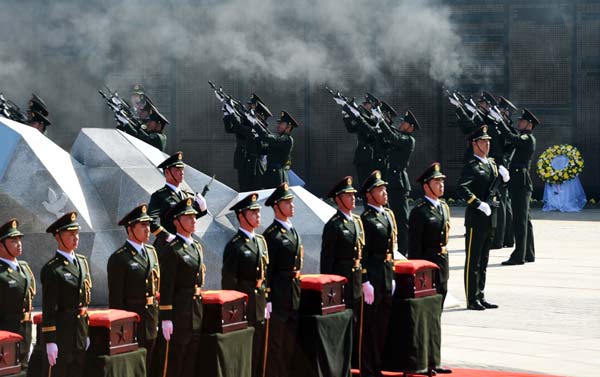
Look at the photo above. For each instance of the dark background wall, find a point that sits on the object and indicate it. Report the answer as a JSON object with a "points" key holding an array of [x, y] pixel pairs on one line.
{"points": [[543, 55]]}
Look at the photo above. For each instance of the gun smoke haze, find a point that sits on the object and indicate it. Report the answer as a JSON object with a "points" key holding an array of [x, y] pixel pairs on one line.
{"points": [[343, 43]]}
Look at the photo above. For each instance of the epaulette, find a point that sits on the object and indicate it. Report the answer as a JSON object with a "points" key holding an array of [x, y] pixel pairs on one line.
{"points": [[149, 247], [120, 250], [442, 200], [52, 261], [237, 237], [335, 217], [162, 189], [80, 256], [355, 216], [259, 236], [419, 202], [269, 229]]}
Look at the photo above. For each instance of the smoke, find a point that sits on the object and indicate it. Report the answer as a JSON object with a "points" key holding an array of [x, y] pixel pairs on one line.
{"points": [[59, 45]]}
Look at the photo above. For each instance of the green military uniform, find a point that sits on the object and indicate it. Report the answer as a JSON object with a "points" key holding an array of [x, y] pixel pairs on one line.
{"points": [[402, 145], [162, 201], [363, 125], [475, 186], [156, 139], [181, 298], [133, 281], [286, 255], [66, 294], [521, 187], [245, 262], [380, 237], [429, 229], [279, 152], [341, 253], [17, 289]]}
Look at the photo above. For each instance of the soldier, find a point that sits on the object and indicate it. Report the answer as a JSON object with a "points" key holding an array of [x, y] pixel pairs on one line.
{"points": [[39, 122], [165, 198], [429, 226], [478, 185], [245, 262], [283, 274], [402, 144], [248, 158], [380, 236], [180, 293], [362, 123], [279, 150], [508, 239], [138, 100], [17, 287], [521, 187], [341, 253], [36, 105], [66, 294], [133, 276], [153, 133]]}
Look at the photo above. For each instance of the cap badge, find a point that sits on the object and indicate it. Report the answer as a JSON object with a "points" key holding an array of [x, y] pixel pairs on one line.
{"points": [[144, 209], [189, 202], [180, 156], [14, 224], [73, 216], [286, 186], [349, 181], [254, 197], [436, 167], [378, 174], [484, 128]]}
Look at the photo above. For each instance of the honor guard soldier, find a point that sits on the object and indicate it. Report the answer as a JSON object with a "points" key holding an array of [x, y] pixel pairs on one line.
{"points": [[429, 229], [249, 156], [478, 186], [286, 256], [152, 132], [521, 188], [37, 113], [402, 144], [66, 294], [168, 196], [138, 100], [39, 122], [17, 287], [180, 294], [278, 149], [245, 262], [380, 236], [341, 252], [133, 276]]}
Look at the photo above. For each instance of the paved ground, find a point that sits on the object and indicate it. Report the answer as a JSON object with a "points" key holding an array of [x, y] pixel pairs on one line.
{"points": [[549, 315]]}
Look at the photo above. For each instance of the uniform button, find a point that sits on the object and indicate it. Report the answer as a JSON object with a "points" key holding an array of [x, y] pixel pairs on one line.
{"points": [[197, 274], [295, 268], [355, 248], [80, 291], [78, 316], [257, 268], [146, 281], [80, 303], [24, 310]]}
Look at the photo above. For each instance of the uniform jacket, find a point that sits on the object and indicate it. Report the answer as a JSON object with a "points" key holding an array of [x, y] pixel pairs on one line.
{"points": [[524, 144], [156, 139], [66, 294], [244, 269], [249, 149], [380, 236], [133, 282], [161, 202], [17, 289], [401, 148], [286, 255], [341, 252], [475, 185], [364, 152], [428, 234]]}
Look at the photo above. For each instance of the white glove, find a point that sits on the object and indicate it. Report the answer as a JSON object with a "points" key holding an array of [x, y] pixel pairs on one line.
{"points": [[52, 352], [368, 292], [504, 173], [227, 109], [485, 208], [339, 101], [393, 286], [352, 110], [251, 118], [87, 343], [201, 201], [268, 310], [377, 113], [170, 237], [167, 329]]}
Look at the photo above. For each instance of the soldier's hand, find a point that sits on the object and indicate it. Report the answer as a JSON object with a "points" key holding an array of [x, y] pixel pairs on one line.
{"points": [[339, 101], [504, 173], [485, 208], [170, 237], [201, 201], [268, 310], [377, 113], [227, 109], [167, 329], [87, 343], [368, 292], [393, 286], [52, 352]]}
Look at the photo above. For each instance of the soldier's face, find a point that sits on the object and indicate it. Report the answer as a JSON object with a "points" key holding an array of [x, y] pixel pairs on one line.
{"points": [[379, 195], [524, 125], [187, 223], [14, 248], [38, 126], [481, 147], [286, 207], [437, 186], [68, 240], [141, 231], [252, 217], [406, 127], [176, 175], [347, 201], [282, 127], [153, 126]]}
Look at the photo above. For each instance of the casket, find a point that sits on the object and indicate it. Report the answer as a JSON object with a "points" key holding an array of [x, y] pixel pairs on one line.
{"points": [[322, 294], [112, 331], [415, 278], [9, 353], [223, 311]]}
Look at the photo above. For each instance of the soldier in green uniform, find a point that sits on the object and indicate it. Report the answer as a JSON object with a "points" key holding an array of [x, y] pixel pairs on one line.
{"points": [[181, 295], [37, 113], [341, 253], [380, 236], [168, 196], [249, 155], [402, 144], [286, 256], [521, 187], [278, 149], [133, 276], [245, 262], [17, 287], [429, 228], [153, 130], [66, 294], [478, 187], [39, 122]]}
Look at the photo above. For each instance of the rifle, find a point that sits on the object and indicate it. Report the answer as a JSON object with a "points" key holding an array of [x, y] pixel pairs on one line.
{"points": [[342, 100], [206, 188], [124, 114], [238, 108], [10, 110]]}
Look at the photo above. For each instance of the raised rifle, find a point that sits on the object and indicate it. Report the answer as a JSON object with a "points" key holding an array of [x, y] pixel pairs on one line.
{"points": [[238, 108], [10, 110], [124, 114]]}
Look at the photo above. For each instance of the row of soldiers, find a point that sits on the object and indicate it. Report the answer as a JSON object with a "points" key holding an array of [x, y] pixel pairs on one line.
{"points": [[266, 267]]}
